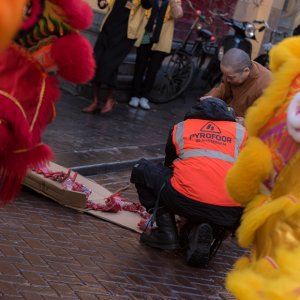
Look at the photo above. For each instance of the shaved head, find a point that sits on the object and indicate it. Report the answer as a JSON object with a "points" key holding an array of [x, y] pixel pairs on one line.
{"points": [[236, 59]]}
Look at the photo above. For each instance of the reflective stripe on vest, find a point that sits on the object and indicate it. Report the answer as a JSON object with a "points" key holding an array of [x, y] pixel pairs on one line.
{"points": [[240, 133]]}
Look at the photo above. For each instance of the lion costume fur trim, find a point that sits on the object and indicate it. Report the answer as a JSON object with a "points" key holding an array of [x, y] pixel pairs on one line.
{"points": [[285, 66], [270, 223]]}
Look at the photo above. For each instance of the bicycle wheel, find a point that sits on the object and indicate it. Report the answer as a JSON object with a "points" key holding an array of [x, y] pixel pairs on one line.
{"points": [[173, 78]]}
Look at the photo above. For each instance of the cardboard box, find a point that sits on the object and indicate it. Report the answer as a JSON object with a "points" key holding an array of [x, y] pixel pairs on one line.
{"points": [[76, 200], [55, 190]]}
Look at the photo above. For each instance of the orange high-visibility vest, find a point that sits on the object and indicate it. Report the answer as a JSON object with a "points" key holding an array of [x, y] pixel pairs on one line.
{"points": [[206, 151]]}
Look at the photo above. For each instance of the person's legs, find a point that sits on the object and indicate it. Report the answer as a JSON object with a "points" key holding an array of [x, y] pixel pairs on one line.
{"points": [[165, 236], [110, 51], [150, 180], [99, 49], [142, 57], [196, 211], [110, 101], [200, 240], [154, 64], [115, 54], [94, 105], [146, 196], [205, 224]]}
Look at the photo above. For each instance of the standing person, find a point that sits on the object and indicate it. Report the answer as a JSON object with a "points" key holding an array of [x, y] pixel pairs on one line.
{"points": [[154, 42], [243, 82], [116, 38], [199, 153]]}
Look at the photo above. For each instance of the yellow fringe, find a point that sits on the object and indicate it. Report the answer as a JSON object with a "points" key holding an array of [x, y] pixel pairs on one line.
{"points": [[270, 223], [244, 183], [285, 65]]}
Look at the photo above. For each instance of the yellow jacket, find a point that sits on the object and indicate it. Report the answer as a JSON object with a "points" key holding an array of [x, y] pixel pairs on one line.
{"points": [[138, 20], [135, 19], [174, 11]]}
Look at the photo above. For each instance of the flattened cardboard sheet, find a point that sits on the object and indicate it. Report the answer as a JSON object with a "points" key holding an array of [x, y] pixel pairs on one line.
{"points": [[76, 200]]}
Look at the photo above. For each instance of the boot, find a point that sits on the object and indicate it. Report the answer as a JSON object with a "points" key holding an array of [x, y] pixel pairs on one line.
{"points": [[200, 240], [109, 105], [165, 236], [92, 108]]}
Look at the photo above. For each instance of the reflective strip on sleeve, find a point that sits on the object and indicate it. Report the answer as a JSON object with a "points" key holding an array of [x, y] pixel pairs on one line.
{"points": [[208, 153], [240, 135], [179, 137]]}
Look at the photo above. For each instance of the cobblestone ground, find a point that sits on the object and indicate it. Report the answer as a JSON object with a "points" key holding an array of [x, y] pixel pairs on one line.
{"points": [[51, 252]]}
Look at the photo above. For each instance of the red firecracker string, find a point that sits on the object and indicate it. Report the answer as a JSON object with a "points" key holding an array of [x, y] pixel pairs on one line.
{"points": [[113, 203]]}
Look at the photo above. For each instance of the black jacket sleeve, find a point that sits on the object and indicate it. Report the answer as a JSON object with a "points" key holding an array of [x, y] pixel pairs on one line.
{"points": [[147, 4], [170, 151]]}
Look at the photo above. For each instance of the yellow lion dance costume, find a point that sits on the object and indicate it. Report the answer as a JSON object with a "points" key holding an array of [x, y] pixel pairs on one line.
{"points": [[270, 162]]}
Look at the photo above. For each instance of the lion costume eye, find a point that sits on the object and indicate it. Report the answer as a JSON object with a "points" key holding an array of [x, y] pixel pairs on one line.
{"points": [[27, 10], [293, 118], [44, 21], [31, 14]]}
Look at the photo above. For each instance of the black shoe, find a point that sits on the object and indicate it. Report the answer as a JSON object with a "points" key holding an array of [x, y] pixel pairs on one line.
{"points": [[200, 240], [164, 237], [160, 241]]}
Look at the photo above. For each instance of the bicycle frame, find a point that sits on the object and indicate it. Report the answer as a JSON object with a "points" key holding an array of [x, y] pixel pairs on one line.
{"points": [[187, 38], [178, 69]]}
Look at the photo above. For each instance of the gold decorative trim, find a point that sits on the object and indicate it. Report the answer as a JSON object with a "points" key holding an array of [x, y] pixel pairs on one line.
{"points": [[14, 100], [43, 87], [27, 149], [53, 112]]}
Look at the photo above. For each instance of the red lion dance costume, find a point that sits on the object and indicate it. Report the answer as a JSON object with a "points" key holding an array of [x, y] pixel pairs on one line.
{"points": [[48, 44]]}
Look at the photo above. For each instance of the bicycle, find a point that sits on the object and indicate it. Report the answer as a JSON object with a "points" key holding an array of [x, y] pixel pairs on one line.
{"points": [[178, 68]]}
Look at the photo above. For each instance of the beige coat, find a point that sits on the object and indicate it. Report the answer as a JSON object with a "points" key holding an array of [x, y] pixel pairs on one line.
{"points": [[137, 14], [174, 11]]}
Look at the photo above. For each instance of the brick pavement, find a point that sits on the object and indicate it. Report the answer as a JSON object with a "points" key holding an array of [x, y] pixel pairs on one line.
{"points": [[51, 252]]}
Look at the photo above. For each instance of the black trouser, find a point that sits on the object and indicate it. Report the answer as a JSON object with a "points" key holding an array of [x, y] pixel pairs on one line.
{"points": [[147, 64], [149, 179], [110, 52]]}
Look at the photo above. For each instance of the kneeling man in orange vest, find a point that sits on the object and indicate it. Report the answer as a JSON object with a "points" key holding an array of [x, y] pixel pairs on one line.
{"points": [[199, 152]]}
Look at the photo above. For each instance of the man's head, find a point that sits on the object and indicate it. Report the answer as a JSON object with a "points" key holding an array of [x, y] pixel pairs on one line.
{"points": [[235, 66], [211, 108]]}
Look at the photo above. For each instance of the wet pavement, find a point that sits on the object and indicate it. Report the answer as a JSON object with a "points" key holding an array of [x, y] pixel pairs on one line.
{"points": [[51, 252], [125, 134]]}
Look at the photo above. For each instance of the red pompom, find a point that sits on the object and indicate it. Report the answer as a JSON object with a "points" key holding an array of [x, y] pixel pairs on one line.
{"points": [[73, 55]]}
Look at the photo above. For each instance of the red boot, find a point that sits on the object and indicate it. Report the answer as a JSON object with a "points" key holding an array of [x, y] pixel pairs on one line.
{"points": [[91, 108], [109, 105]]}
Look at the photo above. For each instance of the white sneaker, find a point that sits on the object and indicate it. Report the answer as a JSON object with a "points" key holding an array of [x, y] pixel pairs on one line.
{"points": [[134, 102], [144, 103]]}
